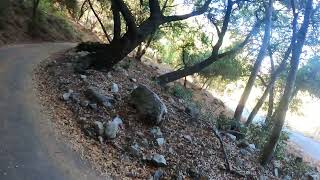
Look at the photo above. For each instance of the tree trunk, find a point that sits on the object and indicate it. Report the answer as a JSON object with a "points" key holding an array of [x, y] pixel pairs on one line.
{"points": [[279, 116], [270, 86], [107, 55], [142, 50], [256, 67], [35, 9]]}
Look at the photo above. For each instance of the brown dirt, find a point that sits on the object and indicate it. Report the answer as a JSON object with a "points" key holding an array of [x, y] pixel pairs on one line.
{"points": [[55, 76], [15, 27]]}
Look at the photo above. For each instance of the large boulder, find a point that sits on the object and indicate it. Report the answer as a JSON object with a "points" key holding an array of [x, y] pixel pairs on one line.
{"points": [[148, 104]]}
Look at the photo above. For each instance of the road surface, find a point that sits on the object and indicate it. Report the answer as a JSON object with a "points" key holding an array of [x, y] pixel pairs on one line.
{"points": [[29, 149]]}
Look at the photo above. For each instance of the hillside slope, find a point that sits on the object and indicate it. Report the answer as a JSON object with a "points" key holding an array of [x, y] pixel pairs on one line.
{"points": [[15, 27]]}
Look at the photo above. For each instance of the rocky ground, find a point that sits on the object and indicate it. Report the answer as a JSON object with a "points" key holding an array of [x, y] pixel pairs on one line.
{"points": [[94, 111]]}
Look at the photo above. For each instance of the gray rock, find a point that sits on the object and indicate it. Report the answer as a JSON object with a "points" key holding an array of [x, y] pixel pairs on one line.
{"points": [[133, 80], [97, 96], [117, 120], [243, 143], [188, 137], [135, 150], [93, 106], [156, 132], [276, 172], [312, 176], [148, 104], [75, 97], [83, 77], [114, 88], [287, 177], [82, 53], [111, 130], [159, 160], [101, 139], [66, 96], [160, 141], [157, 175], [252, 146], [244, 152], [84, 103], [262, 177], [98, 126], [109, 75], [232, 137]]}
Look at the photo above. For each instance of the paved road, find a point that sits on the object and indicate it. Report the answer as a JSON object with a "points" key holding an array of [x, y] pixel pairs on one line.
{"points": [[29, 150]]}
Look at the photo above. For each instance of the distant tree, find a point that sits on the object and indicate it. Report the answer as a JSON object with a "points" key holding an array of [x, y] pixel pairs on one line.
{"points": [[280, 113], [215, 54], [260, 57]]}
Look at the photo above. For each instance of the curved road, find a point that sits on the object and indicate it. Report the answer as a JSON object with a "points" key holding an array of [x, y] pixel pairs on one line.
{"points": [[29, 149]]}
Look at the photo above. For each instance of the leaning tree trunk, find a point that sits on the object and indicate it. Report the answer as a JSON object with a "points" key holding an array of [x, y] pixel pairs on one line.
{"points": [[105, 56], [280, 113], [270, 86], [256, 67], [142, 50]]}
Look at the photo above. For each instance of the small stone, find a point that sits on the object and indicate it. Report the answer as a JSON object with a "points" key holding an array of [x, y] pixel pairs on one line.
{"points": [[171, 151], [135, 150], [160, 141], [133, 80], [159, 160], [277, 164], [109, 75], [114, 88], [93, 106], [66, 96], [83, 77], [232, 137], [287, 177], [312, 176], [111, 130], [156, 132], [244, 152], [84, 103], [75, 97], [243, 143], [145, 142], [276, 172], [157, 175], [117, 120], [188, 137], [262, 177], [99, 127], [101, 139]]}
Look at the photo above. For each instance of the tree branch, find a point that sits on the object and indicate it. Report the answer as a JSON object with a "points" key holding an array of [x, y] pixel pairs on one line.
{"points": [[100, 22], [128, 16], [197, 12], [154, 9], [116, 21], [224, 28]]}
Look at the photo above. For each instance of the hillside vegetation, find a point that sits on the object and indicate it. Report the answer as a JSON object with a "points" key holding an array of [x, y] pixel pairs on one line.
{"points": [[16, 25]]}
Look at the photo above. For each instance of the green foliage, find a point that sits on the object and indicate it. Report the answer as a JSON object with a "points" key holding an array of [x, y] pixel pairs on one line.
{"points": [[181, 92], [259, 135], [308, 77]]}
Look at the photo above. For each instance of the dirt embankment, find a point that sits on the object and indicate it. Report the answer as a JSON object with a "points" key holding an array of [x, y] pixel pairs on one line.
{"points": [[190, 148], [15, 26]]}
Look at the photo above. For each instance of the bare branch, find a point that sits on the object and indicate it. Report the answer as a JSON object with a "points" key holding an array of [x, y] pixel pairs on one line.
{"points": [[197, 12], [100, 22], [127, 15]]}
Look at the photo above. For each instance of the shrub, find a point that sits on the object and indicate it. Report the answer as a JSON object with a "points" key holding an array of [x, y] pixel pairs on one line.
{"points": [[182, 92]]}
